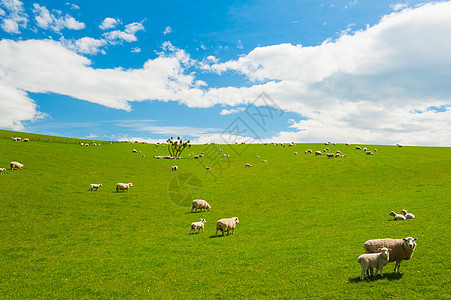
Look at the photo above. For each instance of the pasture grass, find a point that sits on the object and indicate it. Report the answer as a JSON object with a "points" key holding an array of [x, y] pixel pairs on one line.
{"points": [[303, 221]]}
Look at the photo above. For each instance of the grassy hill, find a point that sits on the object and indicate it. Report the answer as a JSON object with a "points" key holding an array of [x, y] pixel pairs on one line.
{"points": [[303, 221]]}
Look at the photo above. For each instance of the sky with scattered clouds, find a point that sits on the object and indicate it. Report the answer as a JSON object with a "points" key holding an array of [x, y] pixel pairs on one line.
{"points": [[305, 71]]}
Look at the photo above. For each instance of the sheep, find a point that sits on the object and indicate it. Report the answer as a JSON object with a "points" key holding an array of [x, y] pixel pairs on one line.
{"points": [[95, 186], [200, 204], [402, 249], [305, 152], [81, 144], [197, 225], [338, 151], [248, 165], [397, 217], [365, 149], [327, 149], [86, 145], [309, 151], [123, 186], [407, 215], [344, 155], [265, 161], [26, 140], [134, 151], [347, 144], [369, 153], [375, 150], [295, 153], [256, 156], [220, 150], [175, 168], [196, 156], [225, 225], [358, 148], [208, 168], [371, 260], [398, 145], [1, 170], [330, 155], [337, 154], [324, 150], [15, 165], [318, 153]]}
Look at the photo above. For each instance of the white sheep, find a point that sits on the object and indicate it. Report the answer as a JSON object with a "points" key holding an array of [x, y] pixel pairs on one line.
{"points": [[256, 156], [26, 140], [123, 186], [397, 217], [197, 225], [295, 153], [330, 155], [402, 249], [81, 144], [87, 145], [134, 151], [265, 161], [407, 215], [208, 168], [369, 153], [200, 204], [1, 170], [344, 155], [365, 149], [15, 165], [225, 225], [373, 260], [375, 150], [248, 165], [337, 155], [318, 153], [309, 151], [175, 168], [398, 145], [358, 148], [95, 186]]}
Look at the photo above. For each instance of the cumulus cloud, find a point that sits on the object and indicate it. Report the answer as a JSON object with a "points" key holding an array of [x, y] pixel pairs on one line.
{"points": [[46, 20], [85, 45], [398, 6], [167, 30], [127, 35], [109, 23], [231, 111], [12, 16]]}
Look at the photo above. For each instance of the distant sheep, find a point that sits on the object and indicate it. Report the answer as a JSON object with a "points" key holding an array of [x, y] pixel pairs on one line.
{"points": [[87, 145], [344, 155], [200, 204], [375, 150], [373, 260], [365, 149], [175, 168], [248, 165], [398, 145], [26, 140], [123, 186], [208, 168], [134, 151], [15, 165], [225, 225], [295, 153], [330, 155], [347, 144], [265, 161], [358, 148], [318, 153], [256, 156], [198, 226], [81, 144], [397, 217], [369, 153], [407, 215], [402, 249], [94, 186], [337, 154], [309, 151], [1, 170]]}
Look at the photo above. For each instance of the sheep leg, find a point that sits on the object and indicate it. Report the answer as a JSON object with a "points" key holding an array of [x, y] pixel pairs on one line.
{"points": [[362, 273], [382, 275], [398, 264]]}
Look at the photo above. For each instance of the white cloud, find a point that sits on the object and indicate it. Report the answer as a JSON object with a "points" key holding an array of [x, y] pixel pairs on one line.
{"points": [[109, 23], [398, 6], [167, 30], [46, 20], [231, 111], [85, 45], [136, 50], [239, 45], [12, 16], [128, 35]]}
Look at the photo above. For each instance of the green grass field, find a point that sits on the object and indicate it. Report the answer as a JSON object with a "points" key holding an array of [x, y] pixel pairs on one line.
{"points": [[303, 221]]}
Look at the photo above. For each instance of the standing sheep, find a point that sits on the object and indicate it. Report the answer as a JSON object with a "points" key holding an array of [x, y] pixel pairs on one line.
{"points": [[318, 153], [123, 186], [175, 168], [15, 165], [200, 204], [373, 260], [225, 225], [95, 186], [358, 148], [402, 249], [397, 217], [197, 225], [248, 165], [330, 155], [407, 215], [1, 170]]}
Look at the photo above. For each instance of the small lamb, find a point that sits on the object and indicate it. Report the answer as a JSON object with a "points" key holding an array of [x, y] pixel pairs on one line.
{"points": [[175, 168], [407, 215], [397, 217], [373, 260], [197, 225], [1, 170], [95, 186]]}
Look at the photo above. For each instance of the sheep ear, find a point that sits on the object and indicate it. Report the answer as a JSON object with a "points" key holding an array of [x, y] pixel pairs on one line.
{"points": [[404, 239], [379, 249], [389, 249], [415, 239]]}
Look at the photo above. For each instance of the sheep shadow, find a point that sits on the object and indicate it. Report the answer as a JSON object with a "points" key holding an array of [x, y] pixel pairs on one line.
{"points": [[389, 277], [217, 236]]}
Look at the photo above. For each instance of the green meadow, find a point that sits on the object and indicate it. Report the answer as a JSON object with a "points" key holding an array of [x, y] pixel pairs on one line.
{"points": [[303, 221]]}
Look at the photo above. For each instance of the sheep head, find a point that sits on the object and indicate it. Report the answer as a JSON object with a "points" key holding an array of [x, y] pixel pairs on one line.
{"points": [[409, 242]]}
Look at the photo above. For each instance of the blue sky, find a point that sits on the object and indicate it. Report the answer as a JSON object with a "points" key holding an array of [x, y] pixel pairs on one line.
{"points": [[345, 71]]}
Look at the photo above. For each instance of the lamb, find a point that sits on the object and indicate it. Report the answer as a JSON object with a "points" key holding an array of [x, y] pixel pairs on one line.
{"points": [[407, 215], [200, 204], [123, 186], [15, 165], [248, 165], [371, 260], [1, 170], [95, 186], [402, 249], [397, 217], [225, 225], [175, 168], [197, 225], [318, 153]]}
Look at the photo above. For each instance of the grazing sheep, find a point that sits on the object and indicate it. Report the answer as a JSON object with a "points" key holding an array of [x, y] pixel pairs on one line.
{"points": [[200, 204], [397, 217], [196, 156], [134, 151], [123, 186], [265, 161], [407, 215], [1, 170], [338, 151], [305, 152], [26, 140], [344, 155], [347, 144], [225, 225], [369, 153], [375, 150], [15, 165], [198, 226], [248, 165], [95, 186], [295, 153], [373, 260], [358, 148], [81, 144], [398, 145], [256, 156], [402, 249], [327, 143], [330, 155], [364, 149], [337, 154], [87, 145], [327, 149], [309, 151], [318, 153], [208, 168], [324, 150], [175, 168]]}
